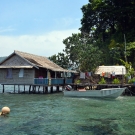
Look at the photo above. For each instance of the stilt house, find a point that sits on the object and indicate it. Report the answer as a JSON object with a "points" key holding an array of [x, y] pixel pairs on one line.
{"points": [[25, 68]]}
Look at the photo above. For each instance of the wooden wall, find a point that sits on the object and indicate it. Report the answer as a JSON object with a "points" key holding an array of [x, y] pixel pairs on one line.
{"points": [[28, 77]]}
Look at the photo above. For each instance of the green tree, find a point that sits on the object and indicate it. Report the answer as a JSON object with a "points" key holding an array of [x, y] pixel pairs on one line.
{"points": [[107, 20], [82, 52], [61, 59], [130, 51]]}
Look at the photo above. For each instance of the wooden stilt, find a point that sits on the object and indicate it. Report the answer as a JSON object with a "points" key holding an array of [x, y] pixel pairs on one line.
{"points": [[38, 89], [34, 89], [3, 88], [46, 89], [57, 88], [29, 88], [14, 88], [43, 89], [18, 88], [51, 89], [24, 88]]}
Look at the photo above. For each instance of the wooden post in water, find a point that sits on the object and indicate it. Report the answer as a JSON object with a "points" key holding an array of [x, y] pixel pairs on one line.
{"points": [[29, 88], [57, 88], [3, 88], [24, 88], [34, 89], [46, 89], [43, 89], [18, 88], [51, 89], [14, 88], [38, 89]]}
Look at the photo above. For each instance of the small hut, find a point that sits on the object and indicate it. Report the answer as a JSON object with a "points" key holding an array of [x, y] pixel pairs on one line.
{"points": [[117, 70], [111, 72]]}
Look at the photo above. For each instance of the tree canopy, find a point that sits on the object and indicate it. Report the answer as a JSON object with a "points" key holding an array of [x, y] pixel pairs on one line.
{"points": [[107, 35], [111, 24], [82, 52]]}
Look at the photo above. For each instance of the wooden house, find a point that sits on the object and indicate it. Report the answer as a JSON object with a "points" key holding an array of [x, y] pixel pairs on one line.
{"points": [[24, 68]]}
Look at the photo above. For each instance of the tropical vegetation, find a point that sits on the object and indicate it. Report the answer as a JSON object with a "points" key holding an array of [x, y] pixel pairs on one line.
{"points": [[107, 37]]}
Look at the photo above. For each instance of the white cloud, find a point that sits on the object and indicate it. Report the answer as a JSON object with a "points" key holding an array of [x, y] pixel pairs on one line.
{"points": [[44, 45], [8, 29]]}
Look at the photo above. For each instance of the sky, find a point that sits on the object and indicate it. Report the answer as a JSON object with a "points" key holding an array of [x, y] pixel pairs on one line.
{"points": [[38, 26]]}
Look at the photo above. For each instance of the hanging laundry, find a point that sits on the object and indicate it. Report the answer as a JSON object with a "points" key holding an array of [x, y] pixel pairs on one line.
{"points": [[113, 74], [129, 77], [86, 74], [69, 74], [106, 74], [82, 75], [109, 75], [89, 73], [103, 74]]}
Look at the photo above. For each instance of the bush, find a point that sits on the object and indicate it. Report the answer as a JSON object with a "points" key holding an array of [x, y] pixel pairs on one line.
{"points": [[131, 80], [102, 81], [77, 81], [116, 81]]}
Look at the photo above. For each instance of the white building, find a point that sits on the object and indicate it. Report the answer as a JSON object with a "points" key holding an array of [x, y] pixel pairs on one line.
{"points": [[118, 70]]}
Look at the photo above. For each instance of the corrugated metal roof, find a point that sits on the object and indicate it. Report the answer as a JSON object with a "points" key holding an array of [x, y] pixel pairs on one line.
{"points": [[119, 70]]}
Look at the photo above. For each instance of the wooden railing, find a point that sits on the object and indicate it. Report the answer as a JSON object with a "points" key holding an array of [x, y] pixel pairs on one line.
{"points": [[41, 81], [53, 81]]}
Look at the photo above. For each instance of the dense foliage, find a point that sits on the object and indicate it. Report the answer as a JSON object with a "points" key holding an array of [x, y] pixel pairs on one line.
{"points": [[107, 35], [61, 59], [111, 25], [82, 52]]}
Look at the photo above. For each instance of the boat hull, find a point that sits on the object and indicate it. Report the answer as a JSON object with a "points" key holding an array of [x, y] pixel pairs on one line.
{"points": [[103, 93]]}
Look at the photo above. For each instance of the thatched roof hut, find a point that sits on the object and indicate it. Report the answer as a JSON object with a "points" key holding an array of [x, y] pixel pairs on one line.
{"points": [[22, 67], [33, 60]]}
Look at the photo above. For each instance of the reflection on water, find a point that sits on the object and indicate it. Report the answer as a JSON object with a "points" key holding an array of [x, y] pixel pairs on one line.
{"points": [[54, 114]]}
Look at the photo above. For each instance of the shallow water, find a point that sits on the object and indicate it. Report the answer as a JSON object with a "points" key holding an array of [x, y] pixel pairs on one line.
{"points": [[54, 114]]}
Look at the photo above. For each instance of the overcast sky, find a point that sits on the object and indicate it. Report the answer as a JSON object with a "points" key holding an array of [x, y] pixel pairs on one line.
{"points": [[38, 26]]}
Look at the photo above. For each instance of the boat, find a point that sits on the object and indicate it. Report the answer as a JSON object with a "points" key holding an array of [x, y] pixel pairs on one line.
{"points": [[103, 93]]}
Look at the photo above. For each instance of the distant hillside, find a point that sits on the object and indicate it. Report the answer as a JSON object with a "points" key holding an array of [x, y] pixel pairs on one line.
{"points": [[2, 58]]}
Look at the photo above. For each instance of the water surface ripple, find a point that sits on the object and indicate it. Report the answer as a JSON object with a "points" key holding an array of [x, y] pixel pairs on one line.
{"points": [[54, 114]]}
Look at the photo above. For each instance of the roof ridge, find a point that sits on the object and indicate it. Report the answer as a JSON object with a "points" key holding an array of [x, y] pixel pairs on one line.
{"points": [[38, 57], [16, 51]]}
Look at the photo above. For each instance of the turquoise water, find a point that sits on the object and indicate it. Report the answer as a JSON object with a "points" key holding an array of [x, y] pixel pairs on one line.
{"points": [[54, 114]]}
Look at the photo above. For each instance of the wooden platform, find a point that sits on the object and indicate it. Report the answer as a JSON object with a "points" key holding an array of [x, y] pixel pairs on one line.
{"points": [[32, 88], [44, 89]]}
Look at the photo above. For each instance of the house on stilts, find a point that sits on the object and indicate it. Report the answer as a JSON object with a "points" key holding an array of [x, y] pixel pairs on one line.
{"points": [[24, 68]]}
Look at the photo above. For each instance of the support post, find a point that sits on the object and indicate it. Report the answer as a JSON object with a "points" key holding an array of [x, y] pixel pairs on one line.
{"points": [[46, 89], [29, 88], [51, 89], [39, 88], [3, 88], [14, 88], [58, 88], [18, 88], [24, 88]]}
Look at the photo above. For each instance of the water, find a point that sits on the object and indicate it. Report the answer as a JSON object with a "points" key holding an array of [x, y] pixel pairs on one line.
{"points": [[54, 114]]}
